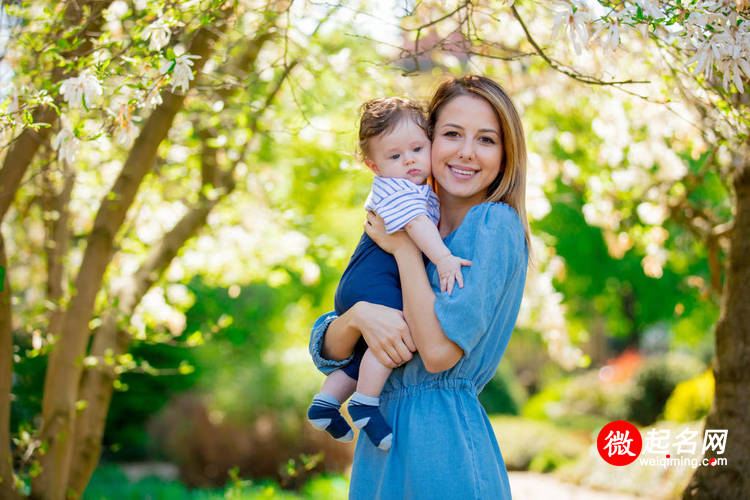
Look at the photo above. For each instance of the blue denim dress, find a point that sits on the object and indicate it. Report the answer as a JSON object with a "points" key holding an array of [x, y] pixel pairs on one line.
{"points": [[444, 446]]}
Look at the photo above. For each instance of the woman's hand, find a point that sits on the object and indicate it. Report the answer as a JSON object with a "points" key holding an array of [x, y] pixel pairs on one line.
{"points": [[391, 243], [385, 331]]}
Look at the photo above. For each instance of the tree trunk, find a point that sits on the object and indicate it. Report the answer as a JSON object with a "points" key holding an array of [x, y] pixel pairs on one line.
{"points": [[731, 405], [7, 486], [96, 384], [64, 367]]}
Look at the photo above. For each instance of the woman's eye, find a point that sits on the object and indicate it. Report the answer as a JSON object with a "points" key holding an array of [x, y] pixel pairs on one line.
{"points": [[487, 140], [451, 133], [395, 157]]}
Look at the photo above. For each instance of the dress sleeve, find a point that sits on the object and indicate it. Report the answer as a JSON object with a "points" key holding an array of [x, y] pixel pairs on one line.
{"points": [[317, 335], [492, 237]]}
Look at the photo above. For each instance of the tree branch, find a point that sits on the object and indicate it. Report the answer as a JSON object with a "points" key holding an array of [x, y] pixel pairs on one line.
{"points": [[24, 148], [559, 67]]}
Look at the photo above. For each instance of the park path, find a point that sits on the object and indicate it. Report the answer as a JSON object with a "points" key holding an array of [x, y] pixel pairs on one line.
{"points": [[535, 486]]}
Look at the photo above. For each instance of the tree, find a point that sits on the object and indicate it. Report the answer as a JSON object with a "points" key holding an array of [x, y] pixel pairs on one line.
{"points": [[696, 56], [119, 102]]}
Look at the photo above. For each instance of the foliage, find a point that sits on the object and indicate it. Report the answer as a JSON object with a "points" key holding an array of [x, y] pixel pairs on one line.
{"points": [[503, 393], [108, 479], [548, 460], [522, 440], [691, 400], [654, 384], [579, 401]]}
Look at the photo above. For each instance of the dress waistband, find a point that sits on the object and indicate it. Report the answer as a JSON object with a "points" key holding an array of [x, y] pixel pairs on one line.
{"points": [[463, 384]]}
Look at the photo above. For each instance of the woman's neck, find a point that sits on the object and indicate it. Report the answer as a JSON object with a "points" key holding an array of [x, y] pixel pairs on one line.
{"points": [[452, 212]]}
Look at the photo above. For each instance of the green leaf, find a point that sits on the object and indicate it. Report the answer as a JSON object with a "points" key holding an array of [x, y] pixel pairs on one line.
{"points": [[185, 368]]}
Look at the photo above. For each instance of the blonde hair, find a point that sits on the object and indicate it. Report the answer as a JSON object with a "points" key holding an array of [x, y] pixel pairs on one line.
{"points": [[383, 114], [510, 184]]}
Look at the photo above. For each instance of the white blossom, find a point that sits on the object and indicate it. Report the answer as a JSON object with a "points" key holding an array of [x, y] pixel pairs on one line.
{"points": [[117, 10], [80, 89], [66, 143], [573, 21], [126, 133], [157, 33], [610, 34], [153, 99], [181, 70]]}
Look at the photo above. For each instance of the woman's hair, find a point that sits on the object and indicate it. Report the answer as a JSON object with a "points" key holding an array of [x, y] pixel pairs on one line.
{"points": [[383, 114], [510, 184]]}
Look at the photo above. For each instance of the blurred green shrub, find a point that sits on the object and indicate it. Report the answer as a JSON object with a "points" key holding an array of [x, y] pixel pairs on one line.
{"points": [[326, 488], [247, 350], [581, 401], [522, 440], [655, 381], [548, 460], [110, 483], [208, 445], [691, 400], [503, 394]]}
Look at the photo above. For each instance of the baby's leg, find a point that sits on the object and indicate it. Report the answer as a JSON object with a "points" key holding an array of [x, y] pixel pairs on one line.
{"points": [[339, 385], [372, 375], [364, 406], [324, 411]]}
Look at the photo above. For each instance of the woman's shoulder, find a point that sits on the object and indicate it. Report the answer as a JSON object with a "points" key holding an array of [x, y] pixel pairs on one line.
{"points": [[494, 216]]}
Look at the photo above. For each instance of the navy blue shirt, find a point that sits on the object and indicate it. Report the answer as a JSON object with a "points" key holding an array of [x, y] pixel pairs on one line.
{"points": [[372, 276]]}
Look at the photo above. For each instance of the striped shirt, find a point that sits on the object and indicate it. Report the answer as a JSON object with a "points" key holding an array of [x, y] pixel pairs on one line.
{"points": [[398, 201]]}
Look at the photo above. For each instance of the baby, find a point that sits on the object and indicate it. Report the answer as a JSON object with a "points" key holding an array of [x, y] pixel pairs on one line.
{"points": [[395, 146]]}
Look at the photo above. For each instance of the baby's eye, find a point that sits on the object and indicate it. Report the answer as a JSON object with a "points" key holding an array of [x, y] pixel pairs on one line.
{"points": [[395, 156], [418, 149]]}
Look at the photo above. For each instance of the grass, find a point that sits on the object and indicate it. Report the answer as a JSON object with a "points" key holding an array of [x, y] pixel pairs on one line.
{"points": [[110, 483]]}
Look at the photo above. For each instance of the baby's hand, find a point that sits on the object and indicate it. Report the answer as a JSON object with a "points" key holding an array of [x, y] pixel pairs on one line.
{"points": [[449, 270]]}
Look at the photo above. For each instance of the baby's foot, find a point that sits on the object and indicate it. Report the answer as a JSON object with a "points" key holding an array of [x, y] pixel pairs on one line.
{"points": [[324, 414], [365, 412]]}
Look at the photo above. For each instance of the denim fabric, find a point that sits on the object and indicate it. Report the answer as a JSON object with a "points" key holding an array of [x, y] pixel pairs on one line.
{"points": [[444, 446]]}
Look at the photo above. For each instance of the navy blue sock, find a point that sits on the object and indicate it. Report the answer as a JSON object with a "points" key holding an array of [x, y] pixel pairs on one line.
{"points": [[365, 412], [324, 414]]}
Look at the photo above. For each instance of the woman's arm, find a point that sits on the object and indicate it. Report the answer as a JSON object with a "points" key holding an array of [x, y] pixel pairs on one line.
{"points": [[424, 233], [437, 351], [383, 328]]}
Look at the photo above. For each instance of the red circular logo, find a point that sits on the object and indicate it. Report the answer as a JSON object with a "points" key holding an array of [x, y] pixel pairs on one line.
{"points": [[619, 442]]}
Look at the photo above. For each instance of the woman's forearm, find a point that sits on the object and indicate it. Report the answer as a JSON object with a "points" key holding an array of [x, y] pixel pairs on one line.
{"points": [[437, 351], [341, 336]]}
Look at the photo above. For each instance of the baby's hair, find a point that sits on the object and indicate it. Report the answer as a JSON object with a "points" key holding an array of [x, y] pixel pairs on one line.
{"points": [[383, 114]]}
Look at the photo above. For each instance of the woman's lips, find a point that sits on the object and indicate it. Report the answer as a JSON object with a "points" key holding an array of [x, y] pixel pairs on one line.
{"points": [[462, 173]]}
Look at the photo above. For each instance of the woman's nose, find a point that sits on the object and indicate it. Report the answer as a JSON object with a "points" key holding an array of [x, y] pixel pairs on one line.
{"points": [[466, 151]]}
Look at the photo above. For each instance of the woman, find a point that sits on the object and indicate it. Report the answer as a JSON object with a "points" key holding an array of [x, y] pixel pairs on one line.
{"points": [[444, 446]]}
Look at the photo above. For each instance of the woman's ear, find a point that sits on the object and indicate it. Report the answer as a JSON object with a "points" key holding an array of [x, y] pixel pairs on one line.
{"points": [[372, 166]]}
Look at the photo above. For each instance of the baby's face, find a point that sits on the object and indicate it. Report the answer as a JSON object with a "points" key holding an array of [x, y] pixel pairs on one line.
{"points": [[404, 152]]}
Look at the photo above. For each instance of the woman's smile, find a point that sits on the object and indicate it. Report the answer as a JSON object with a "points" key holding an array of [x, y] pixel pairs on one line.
{"points": [[461, 172]]}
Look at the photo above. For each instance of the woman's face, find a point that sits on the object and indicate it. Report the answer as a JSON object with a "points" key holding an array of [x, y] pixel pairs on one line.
{"points": [[466, 148]]}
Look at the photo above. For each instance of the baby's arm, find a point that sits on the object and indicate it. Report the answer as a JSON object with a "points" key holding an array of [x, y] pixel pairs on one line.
{"points": [[426, 236]]}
